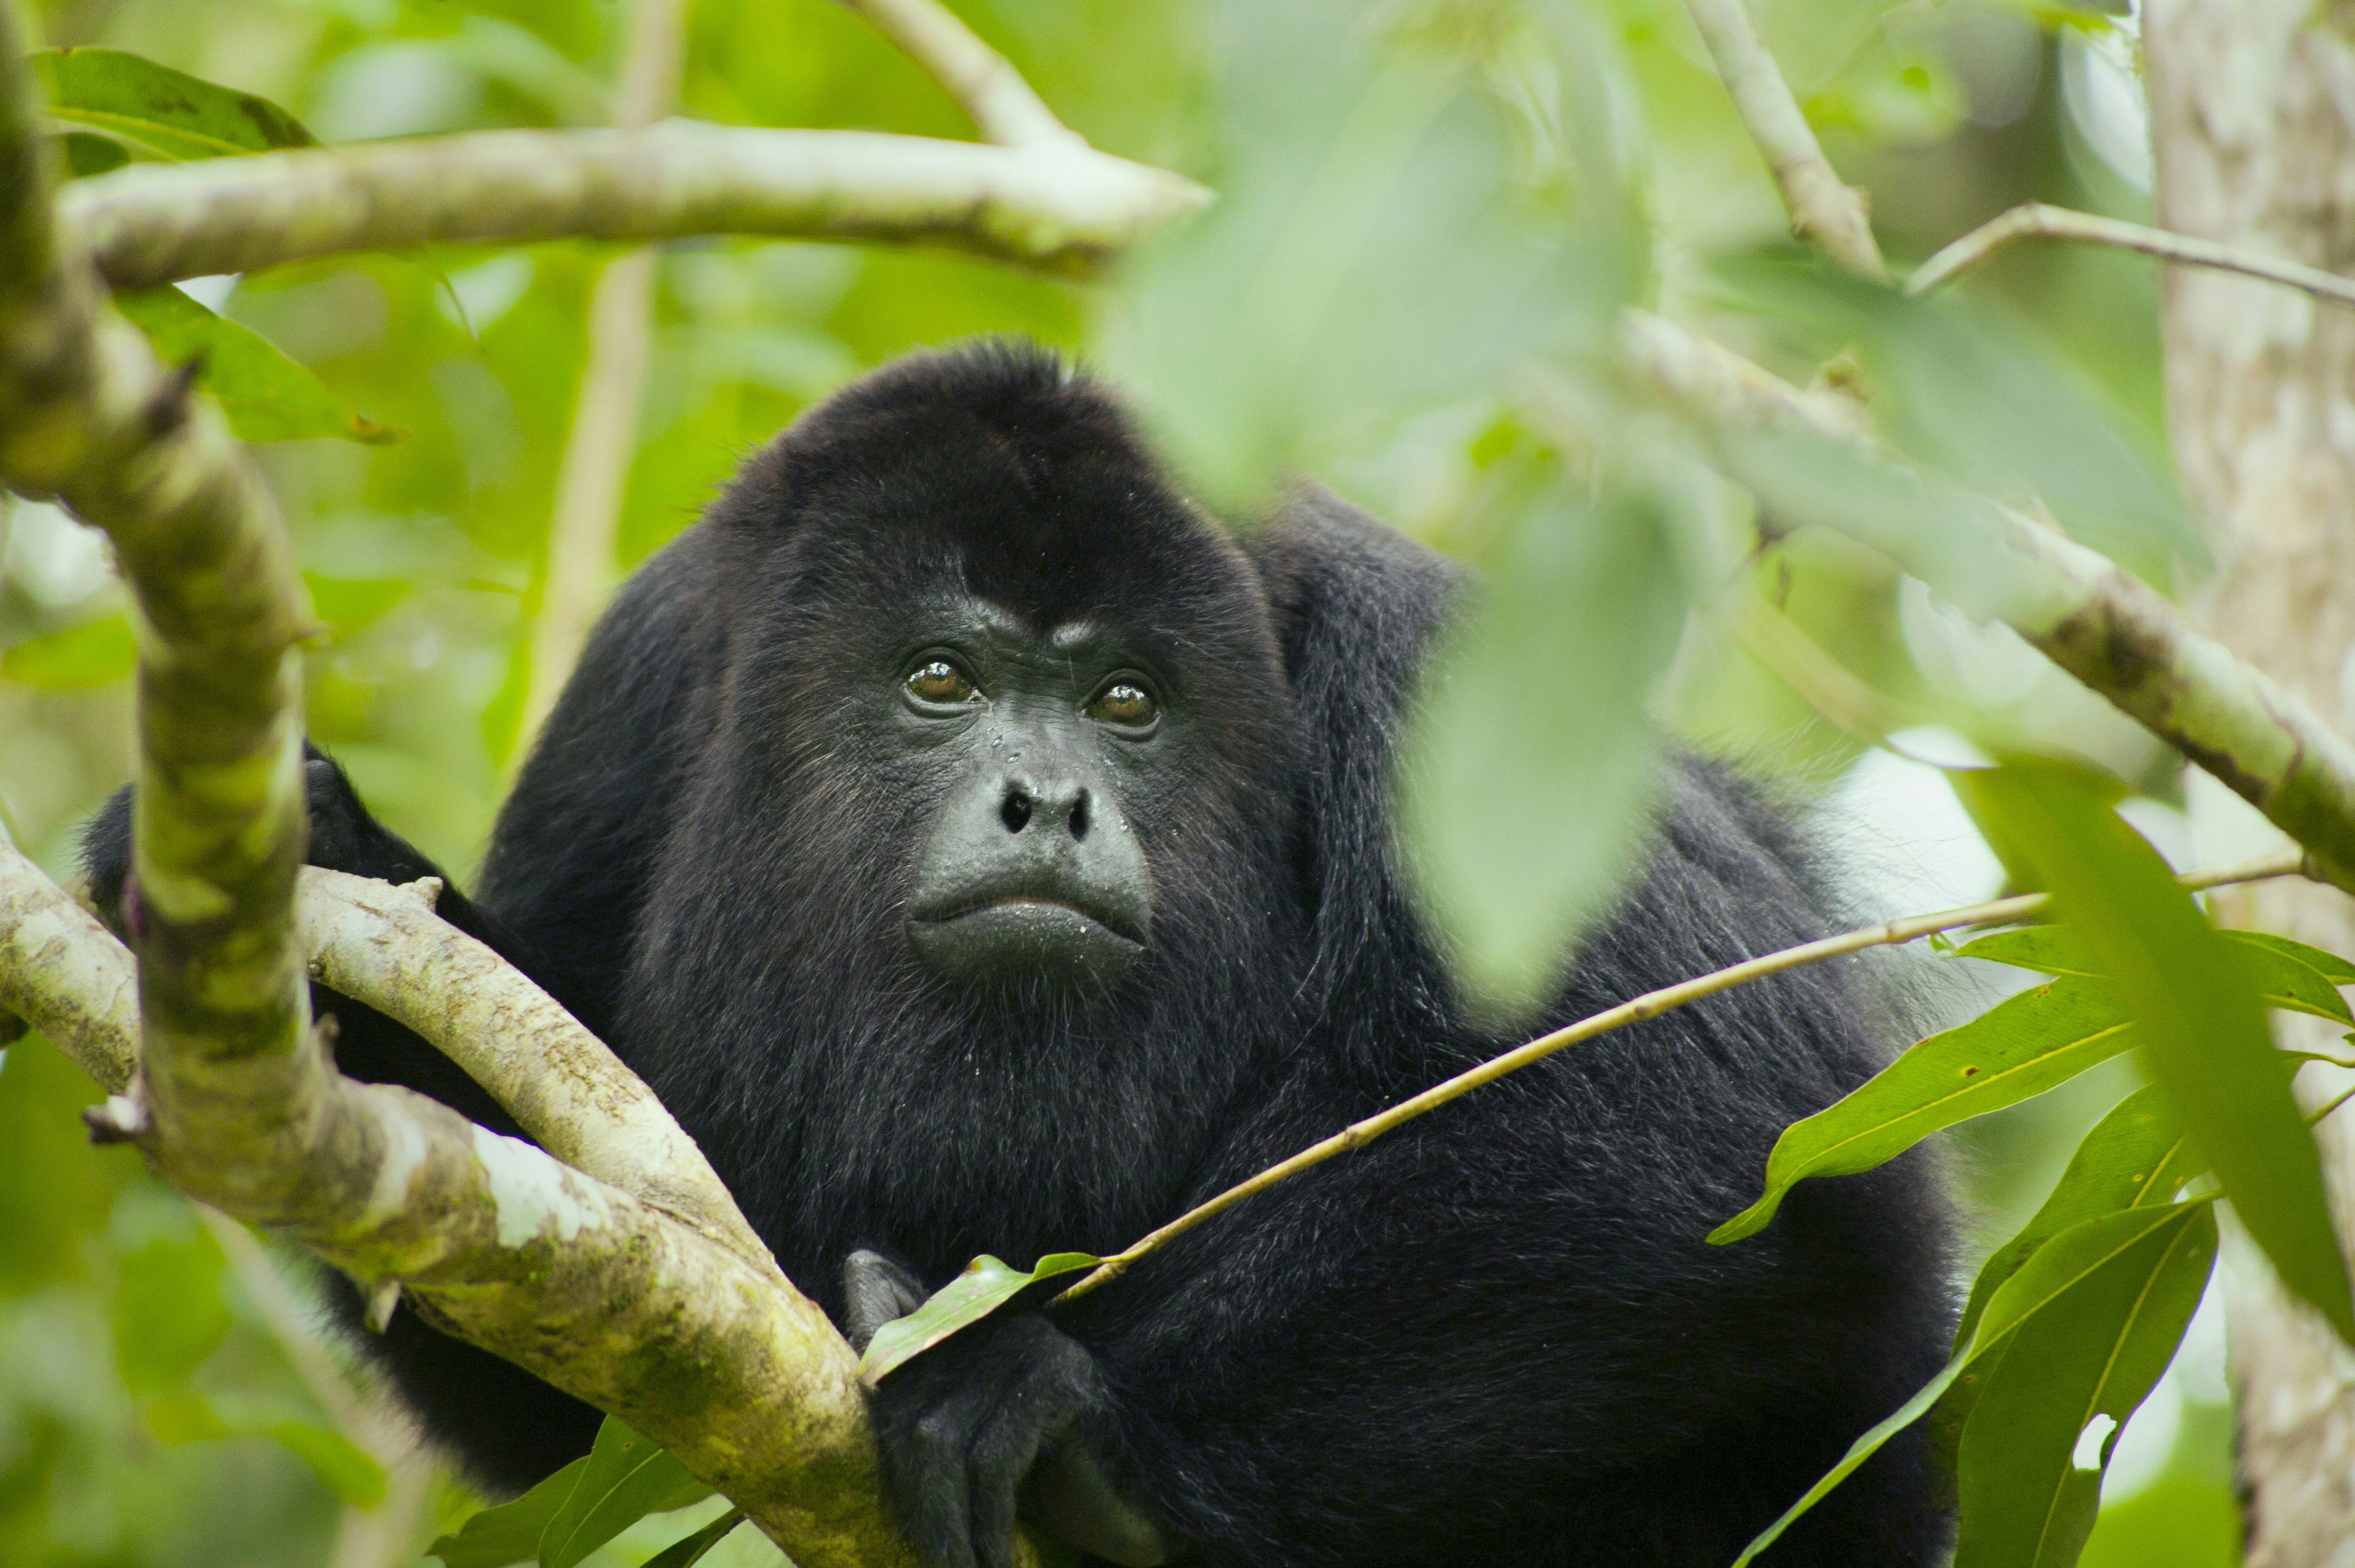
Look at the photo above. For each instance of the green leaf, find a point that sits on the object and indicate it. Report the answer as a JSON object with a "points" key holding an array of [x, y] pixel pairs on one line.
{"points": [[267, 396], [689, 1550], [2133, 1158], [2285, 980], [2085, 1256], [2047, 949], [2282, 978], [167, 111], [510, 1532], [350, 1474], [183, 1415], [986, 1286], [1863, 1449], [1564, 770], [2094, 1351], [628, 1476], [168, 1311], [2019, 1048], [2202, 1032], [2329, 965], [96, 653], [86, 155]]}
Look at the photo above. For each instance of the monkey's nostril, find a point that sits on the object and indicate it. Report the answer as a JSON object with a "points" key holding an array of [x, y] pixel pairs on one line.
{"points": [[1016, 811], [1080, 817]]}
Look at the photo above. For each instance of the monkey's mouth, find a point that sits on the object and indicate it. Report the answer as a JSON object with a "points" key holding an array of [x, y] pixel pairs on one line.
{"points": [[1003, 934]]}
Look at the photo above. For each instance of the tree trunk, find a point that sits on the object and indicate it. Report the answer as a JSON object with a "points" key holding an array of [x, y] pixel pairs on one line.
{"points": [[2253, 118]]}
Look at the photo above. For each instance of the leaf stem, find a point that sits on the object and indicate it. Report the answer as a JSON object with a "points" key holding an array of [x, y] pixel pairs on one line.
{"points": [[1650, 1005]]}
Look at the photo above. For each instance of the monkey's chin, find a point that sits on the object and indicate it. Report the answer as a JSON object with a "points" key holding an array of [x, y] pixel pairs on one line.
{"points": [[1017, 937]]}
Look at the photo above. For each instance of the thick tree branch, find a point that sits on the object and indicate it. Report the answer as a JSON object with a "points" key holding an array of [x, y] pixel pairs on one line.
{"points": [[64, 974], [993, 95], [2036, 220], [2102, 624], [383, 945], [1059, 207], [1825, 211], [578, 1282]]}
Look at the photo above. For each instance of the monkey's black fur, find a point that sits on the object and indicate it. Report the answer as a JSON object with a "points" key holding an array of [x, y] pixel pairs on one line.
{"points": [[1495, 1336]]}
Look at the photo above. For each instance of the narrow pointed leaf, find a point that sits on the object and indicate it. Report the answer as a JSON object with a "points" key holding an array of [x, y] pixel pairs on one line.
{"points": [[510, 1533], [986, 1286], [96, 653], [267, 396], [628, 1476], [1863, 1449], [2329, 965], [2202, 1030], [2133, 1158], [2085, 1256], [2047, 949], [689, 1550], [167, 111], [2019, 1048], [2285, 977], [86, 155], [2093, 1352]]}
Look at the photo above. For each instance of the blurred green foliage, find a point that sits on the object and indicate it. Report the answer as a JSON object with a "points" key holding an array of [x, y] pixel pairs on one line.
{"points": [[1419, 200]]}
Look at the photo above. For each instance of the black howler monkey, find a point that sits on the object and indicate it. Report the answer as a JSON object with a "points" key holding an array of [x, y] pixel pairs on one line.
{"points": [[978, 850]]}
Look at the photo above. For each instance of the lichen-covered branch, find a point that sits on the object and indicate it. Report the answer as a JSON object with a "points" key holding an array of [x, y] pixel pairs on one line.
{"points": [[2089, 616], [64, 974], [1057, 205], [383, 945], [1001, 105], [2038, 220], [1825, 211]]}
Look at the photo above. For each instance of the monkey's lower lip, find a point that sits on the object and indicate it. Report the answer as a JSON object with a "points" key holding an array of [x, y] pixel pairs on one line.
{"points": [[1011, 934]]}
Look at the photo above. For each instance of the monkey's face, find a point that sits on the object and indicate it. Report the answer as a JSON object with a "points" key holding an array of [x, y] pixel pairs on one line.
{"points": [[1037, 744]]}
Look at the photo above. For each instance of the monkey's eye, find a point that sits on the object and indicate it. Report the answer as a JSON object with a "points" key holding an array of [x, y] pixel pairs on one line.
{"points": [[940, 684], [1124, 702]]}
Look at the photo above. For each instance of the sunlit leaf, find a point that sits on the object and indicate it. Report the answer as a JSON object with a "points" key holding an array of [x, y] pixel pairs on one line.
{"points": [[1532, 768], [2133, 1158], [267, 396], [351, 1475], [2089, 1256], [2329, 965], [168, 112], [986, 1286], [2276, 968], [2198, 1021], [2019, 1048], [628, 1476], [96, 653], [183, 1415], [168, 1311], [348, 604], [2093, 1352], [497, 1537], [689, 1550]]}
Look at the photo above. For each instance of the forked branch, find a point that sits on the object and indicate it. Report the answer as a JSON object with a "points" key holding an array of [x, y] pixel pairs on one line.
{"points": [[2036, 220]]}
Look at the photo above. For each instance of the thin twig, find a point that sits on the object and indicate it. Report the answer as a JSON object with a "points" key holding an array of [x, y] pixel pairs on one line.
{"points": [[1000, 104], [2036, 220], [586, 514], [1825, 211], [1650, 1005]]}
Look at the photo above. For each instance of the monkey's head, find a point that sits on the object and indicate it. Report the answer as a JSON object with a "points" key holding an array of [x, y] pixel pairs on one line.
{"points": [[1023, 698]]}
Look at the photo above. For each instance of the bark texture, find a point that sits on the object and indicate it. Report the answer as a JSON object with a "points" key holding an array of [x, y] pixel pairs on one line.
{"points": [[2253, 122]]}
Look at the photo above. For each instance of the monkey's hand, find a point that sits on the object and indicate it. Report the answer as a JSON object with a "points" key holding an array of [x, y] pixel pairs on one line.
{"points": [[989, 1423]]}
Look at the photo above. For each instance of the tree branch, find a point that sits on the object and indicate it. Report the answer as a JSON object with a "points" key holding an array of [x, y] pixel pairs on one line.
{"points": [[2036, 220], [2102, 624], [1001, 105], [1056, 207], [383, 945], [1825, 211], [1650, 1005]]}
